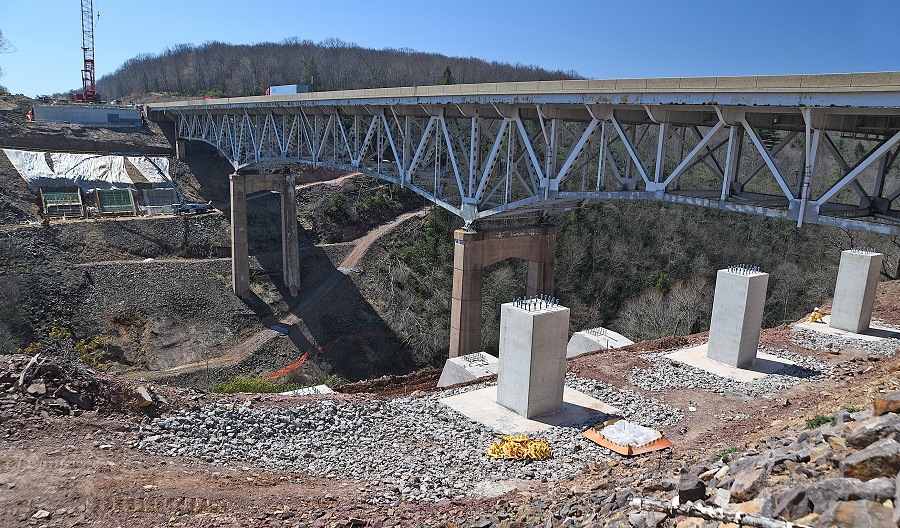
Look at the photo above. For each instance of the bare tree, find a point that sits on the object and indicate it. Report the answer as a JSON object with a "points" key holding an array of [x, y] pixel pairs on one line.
{"points": [[238, 70], [654, 314], [5, 47]]}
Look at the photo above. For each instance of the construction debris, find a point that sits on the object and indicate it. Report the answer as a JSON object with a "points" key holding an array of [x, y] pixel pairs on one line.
{"points": [[713, 514], [627, 438], [36, 384]]}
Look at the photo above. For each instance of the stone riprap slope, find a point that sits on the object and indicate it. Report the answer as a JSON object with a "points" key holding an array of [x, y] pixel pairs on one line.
{"points": [[842, 475]]}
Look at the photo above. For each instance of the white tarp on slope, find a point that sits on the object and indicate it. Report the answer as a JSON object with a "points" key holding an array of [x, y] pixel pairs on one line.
{"points": [[31, 165], [148, 170], [88, 171]]}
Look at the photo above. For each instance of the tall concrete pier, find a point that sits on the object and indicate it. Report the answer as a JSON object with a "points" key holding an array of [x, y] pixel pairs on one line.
{"points": [[737, 316], [854, 293], [241, 185], [473, 251], [240, 255]]}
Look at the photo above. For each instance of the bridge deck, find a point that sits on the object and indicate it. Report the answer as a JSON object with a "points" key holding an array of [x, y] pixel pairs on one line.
{"points": [[876, 89]]}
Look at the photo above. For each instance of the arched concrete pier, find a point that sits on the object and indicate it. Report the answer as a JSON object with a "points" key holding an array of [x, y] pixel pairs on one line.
{"points": [[473, 251]]}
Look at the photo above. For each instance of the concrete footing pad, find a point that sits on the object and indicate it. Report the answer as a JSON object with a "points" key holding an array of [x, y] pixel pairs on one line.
{"points": [[467, 368], [481, 406], [874, 333], [764, 365], [593, 340]]}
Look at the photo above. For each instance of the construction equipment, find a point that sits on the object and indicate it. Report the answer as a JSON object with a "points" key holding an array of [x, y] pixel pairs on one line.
{"points": [[89, 94], [190, 208]]}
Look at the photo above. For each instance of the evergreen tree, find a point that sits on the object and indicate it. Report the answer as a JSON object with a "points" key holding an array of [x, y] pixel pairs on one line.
{"points": [[447, 76], [310, 74]]}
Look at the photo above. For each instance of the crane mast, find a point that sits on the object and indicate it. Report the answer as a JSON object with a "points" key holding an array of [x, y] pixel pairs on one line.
{"points": [[87, 44]]}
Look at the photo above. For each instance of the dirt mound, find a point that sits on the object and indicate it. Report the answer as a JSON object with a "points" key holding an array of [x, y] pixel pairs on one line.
{"points": [[423, 381]]}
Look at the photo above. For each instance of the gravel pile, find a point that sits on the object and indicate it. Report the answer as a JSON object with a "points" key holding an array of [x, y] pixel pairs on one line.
{"points": [[636, 408], [666, 373], [878, 322], [411, 448], [812, 340]]}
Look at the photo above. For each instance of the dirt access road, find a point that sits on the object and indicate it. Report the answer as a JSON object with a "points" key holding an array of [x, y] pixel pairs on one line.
{"points": [[350, 264]]}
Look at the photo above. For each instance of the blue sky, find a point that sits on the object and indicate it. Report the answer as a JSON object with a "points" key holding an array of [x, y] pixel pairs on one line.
{"points": [[599, 39]]}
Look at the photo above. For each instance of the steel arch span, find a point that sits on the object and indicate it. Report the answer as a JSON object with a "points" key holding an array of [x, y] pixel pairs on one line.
{"points": [[774, 146]]}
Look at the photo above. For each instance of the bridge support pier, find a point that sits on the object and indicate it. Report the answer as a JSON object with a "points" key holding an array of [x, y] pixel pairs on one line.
{"points": [[180, 149], [854, 293], [240, 255], [473, 251], [290, 247], [241, 185]]}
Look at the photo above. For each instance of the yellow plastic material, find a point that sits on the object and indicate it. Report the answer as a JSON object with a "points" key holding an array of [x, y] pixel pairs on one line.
{"points": [[519, 447]]}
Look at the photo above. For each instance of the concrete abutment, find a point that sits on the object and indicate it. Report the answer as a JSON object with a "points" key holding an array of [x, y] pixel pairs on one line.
{"points": [[475, 250]]}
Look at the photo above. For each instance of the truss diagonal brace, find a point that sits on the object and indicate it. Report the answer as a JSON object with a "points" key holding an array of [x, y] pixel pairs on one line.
{"points": [[390, 138], [576, 151], [785, 188], [523, 136], [449, 141], [690, 157], [852, 175], [857, 187], [631, 151], [489, 164]]}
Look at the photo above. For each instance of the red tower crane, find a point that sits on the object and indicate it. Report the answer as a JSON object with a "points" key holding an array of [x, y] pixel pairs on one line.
{"points": [[89, 94]]}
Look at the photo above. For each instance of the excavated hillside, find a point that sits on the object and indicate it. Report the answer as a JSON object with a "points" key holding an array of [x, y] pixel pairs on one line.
{"points": [[160, 286], [802, 447]]}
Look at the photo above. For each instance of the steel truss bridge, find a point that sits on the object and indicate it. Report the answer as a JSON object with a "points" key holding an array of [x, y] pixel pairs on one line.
{"points": [[817, 149]]}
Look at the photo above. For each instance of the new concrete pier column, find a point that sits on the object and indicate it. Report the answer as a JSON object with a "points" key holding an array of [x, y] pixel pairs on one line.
{"points": [[240, 257], [473, 251], [854, 293], [532, 368], [737, 316], [289, 243]]}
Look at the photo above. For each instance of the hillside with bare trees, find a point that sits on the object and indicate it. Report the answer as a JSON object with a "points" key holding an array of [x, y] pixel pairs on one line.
{"points": [[220, 69]]}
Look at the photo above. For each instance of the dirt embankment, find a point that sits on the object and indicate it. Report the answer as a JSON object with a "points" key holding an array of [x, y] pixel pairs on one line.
{"points": [[161, 286]]}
